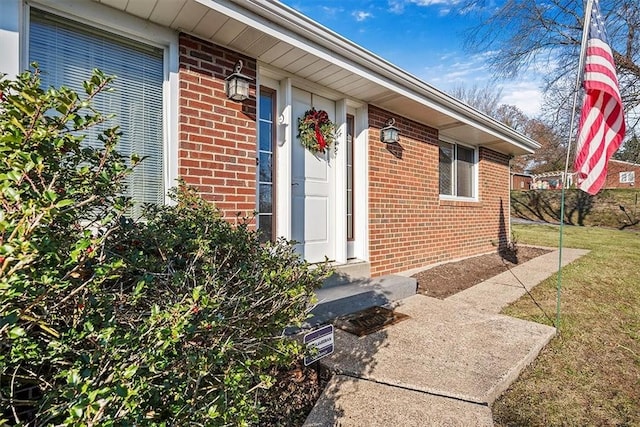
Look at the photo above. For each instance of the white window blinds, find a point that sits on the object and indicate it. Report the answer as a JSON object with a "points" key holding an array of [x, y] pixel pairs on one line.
{"points": [[67, 52]]}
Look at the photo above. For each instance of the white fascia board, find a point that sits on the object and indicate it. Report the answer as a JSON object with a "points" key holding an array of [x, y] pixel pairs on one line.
{"points": [[302, 32]]}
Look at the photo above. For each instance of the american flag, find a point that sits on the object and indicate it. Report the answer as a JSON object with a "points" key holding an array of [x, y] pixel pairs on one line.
{"points": [[602, 125]]}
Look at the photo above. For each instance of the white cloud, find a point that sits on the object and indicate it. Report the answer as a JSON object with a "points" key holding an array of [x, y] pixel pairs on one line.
{"points": [[446, 6], [447, 56], [525, 95], [397, 6], [361, 15], [331, 11], [453, 69], [435, 2], [456, 76]]}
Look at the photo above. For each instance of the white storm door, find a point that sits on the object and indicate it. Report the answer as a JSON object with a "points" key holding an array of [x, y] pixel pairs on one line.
{"points": [[312, 187]]}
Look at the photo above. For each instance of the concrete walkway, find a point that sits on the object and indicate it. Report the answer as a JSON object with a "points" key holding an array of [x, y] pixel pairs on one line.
{"points": [[445, 365]]}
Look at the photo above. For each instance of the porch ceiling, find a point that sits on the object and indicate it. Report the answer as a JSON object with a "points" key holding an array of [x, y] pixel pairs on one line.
{"points": [[283, 39]]}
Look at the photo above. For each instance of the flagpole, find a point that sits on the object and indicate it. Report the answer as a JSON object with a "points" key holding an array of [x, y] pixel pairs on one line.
{"points": [[583, 49]]}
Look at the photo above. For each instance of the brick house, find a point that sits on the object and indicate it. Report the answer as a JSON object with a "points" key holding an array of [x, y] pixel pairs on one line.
{"points": [[621, 174], [441, 192]]}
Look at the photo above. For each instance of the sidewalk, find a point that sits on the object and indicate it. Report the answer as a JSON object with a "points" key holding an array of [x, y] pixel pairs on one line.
{"points": [[443, 366]]}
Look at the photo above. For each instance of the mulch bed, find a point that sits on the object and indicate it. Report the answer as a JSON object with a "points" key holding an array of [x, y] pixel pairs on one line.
{"points": [[293, 395], [448, 279]]}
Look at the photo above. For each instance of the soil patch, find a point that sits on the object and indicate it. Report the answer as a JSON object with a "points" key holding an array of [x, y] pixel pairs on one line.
{"points": [[293, 394], [445, 280]]}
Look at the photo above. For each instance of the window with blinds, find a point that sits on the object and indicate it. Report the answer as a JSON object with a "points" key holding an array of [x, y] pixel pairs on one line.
{"points": [[67, 52]]}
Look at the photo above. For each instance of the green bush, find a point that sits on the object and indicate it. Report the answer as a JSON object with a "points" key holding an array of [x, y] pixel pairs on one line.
{"points": [[173, 320]]}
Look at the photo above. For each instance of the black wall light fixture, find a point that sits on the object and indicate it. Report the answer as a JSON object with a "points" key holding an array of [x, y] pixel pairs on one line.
{"points": [[237, 84], [390, 134]]}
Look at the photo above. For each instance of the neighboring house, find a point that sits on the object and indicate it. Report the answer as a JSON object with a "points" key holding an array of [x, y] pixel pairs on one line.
{"points": [[521, 181], [550, 180], [441, 192], [621, 174]]}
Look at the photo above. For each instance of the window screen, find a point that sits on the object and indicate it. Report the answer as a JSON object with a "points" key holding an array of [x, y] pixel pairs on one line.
{"points": [[67, 52]]}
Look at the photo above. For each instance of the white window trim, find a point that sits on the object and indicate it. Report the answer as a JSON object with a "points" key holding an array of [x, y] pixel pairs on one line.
{"points": [[627, 177], [476, 174], [125, 25]]}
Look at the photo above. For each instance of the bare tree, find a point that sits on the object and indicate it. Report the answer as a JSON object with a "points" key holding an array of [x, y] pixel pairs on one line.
{"points": [[630, 150], [513, 117], [546, 35], [483, 98], [552, 152]]}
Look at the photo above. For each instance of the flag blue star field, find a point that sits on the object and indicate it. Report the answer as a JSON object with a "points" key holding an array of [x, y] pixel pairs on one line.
{"points": [[602, 126]]}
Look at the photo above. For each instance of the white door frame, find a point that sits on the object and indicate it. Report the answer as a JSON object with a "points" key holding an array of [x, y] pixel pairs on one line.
{"points": [[340, 184], [287, 136], [361, 183]]}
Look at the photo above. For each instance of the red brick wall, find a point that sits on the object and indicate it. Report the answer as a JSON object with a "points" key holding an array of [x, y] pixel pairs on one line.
{"points": [[409, 226], [613, 174], [217, 136]]}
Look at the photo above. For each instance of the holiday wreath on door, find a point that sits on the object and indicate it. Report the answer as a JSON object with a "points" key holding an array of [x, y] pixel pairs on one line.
{"points": [[316, 131]]}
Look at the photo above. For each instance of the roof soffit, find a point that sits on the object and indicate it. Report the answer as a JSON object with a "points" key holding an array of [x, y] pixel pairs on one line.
{"points": [[284, 38]]}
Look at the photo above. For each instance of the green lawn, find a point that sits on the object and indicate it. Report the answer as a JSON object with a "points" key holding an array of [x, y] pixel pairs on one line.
{"points": [[590, 373]]}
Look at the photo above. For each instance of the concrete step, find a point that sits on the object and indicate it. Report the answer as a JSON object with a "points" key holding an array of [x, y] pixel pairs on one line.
{"points": [[357, 294], [346, 273]]}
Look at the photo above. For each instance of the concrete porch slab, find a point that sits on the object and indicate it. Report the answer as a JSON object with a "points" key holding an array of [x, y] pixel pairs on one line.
{"points": [[343, 274], [355, 402], [445, 348], [358, 294]]}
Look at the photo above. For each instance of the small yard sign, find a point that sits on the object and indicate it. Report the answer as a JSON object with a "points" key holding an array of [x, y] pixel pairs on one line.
{"points": [[319, 344]]}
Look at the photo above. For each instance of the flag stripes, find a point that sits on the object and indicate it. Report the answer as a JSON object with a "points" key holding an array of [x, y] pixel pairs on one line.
{"points": [[602, 126]]}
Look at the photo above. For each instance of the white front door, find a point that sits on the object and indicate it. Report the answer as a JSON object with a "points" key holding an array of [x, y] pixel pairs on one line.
{"points": [[312, 187]]}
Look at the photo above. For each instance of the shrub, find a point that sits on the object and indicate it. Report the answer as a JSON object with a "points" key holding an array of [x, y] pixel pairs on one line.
{"points": [[173, 320], [226, 300], [53, 191]]}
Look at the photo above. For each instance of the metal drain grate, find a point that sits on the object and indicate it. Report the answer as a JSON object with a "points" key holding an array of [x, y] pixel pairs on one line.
{"points": [[369, 320]]}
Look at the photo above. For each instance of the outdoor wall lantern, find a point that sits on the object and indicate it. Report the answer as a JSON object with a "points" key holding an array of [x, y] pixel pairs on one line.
{"points": [[237, 84], [389, 134]]}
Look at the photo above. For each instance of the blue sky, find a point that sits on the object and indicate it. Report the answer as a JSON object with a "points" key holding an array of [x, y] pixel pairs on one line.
{"points": [[423, 37]]}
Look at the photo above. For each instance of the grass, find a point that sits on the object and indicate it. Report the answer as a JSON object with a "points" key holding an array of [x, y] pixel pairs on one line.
{"points": [[589, 375], [615, 208]]}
